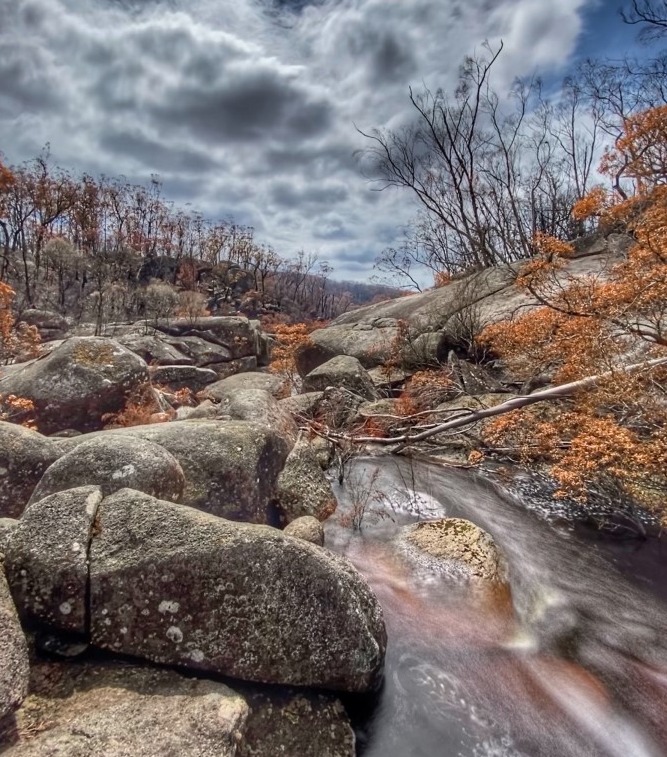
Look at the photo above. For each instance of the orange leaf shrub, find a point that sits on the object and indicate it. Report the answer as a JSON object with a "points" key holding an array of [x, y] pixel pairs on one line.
{"points": [[141, 408], [15, 409], [289, 339], [17, 340], [615, 433], [424, 390]]}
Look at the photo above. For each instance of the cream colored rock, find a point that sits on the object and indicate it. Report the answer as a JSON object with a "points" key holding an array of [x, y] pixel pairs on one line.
{"points": [[459, 547]]}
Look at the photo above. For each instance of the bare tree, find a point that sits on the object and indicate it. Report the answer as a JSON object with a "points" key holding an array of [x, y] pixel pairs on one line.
{"points": [[489, 171], [649, 15]]}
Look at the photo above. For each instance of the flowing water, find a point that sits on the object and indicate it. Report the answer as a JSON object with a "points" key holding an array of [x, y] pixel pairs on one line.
{"points": [[574, 663]]}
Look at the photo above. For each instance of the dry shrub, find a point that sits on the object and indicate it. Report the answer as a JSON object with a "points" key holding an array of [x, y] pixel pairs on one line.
{"points": [[613, 434], [441, 279], [191, 305], [290, 338], [141, 408], [15, 409], [425, 390], [18, 341]]}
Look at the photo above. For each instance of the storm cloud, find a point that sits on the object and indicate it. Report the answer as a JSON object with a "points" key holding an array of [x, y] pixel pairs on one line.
{"points": [[250, 108]]}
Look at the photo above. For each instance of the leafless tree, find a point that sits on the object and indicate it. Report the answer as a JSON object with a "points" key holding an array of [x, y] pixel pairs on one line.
{"points": [[649, 15]]}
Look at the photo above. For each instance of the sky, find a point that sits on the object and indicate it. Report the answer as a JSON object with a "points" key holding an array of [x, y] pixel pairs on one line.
{"points": [[250, 108]]}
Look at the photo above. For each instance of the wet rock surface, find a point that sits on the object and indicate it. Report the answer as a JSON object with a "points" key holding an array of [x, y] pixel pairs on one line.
{"points": [[459, 546]]}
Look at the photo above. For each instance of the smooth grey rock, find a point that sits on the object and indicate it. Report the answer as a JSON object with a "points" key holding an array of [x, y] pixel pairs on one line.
{"points": [[231, 467], [260, 407], [307, 528], [448, 313], [235, 333], [182, 377], [7, 525], [14, 668], [81, 710], [240, 365], [273, 383], [47, 559], [303, 489], [154, 350], [113, 462], [77, 384], [24, 456], [178, 586], [341, 372]]}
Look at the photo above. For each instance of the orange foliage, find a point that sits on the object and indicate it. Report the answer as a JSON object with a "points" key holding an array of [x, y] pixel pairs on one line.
{"points": [[596, 202], [615, 433], [290, 338], [396, 358], [141, 408], [15, 409], [640, 153], [424, 390], [441, 279], [17, 340]]}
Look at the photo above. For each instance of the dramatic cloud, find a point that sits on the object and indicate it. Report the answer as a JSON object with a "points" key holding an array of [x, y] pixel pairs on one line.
{"points": [[248, 108]]}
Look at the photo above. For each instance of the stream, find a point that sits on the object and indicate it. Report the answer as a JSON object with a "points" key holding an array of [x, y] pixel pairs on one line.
{"points": [[573, 663]]}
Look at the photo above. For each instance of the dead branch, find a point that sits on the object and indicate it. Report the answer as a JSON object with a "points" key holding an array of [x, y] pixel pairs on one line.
{"points": [[553, 393]]}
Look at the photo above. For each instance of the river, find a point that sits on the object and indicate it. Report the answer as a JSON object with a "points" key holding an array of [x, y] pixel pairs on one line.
{"points": [[574, 663]]}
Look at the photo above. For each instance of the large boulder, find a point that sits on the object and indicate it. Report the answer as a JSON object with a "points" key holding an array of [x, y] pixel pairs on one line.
{"points": [[79, 710], [181, 587], [273, 383], [78, 383], [177, 377], [154, 349], [235, 333], [439, 320], [458, 547], [260, 407], [342, 371], [307, 528], [113, 462], [47, 559], [14, 669], [231, 467], [24, 456], [49, 325], [303, 488]]}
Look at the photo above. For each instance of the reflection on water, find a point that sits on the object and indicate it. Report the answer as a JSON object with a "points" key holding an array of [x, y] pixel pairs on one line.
{"points": [[574, 664]]}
